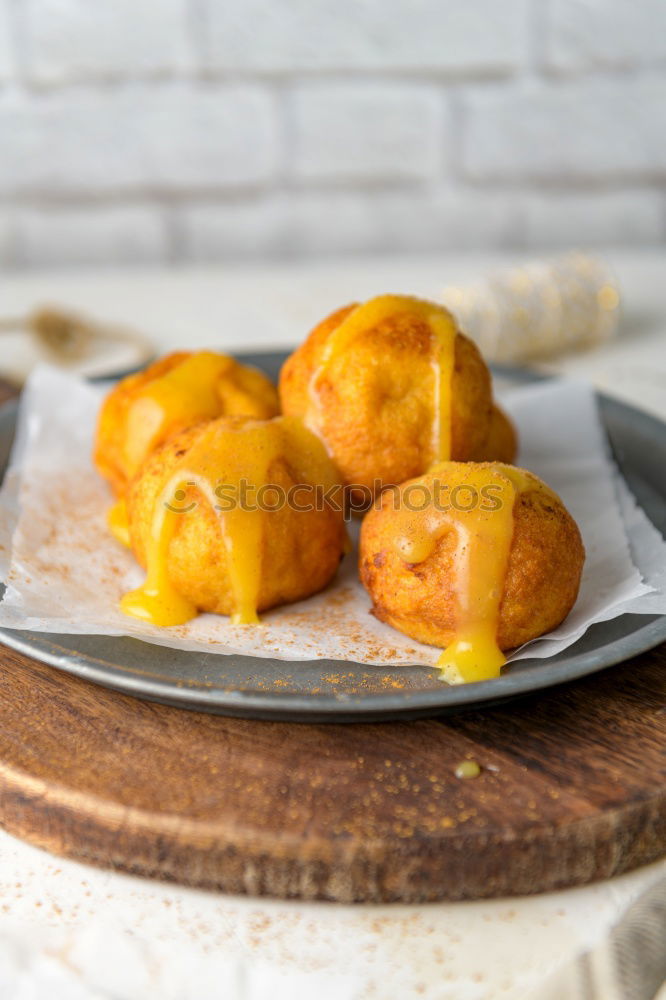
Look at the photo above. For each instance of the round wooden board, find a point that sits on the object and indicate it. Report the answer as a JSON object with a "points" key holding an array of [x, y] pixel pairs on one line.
{"points": [[572, 789]]}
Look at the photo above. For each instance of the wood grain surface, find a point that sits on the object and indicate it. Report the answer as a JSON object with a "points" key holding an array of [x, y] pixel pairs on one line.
{"points": [[572, 789]]}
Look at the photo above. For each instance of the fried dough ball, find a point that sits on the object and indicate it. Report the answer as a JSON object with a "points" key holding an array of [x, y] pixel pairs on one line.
{"points": [[501, 445], [179, 390], [375, 402], [423, 599], [297, 550]]}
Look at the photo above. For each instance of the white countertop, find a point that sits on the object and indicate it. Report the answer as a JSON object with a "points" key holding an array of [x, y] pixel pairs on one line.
{"points": [[70, 932]]}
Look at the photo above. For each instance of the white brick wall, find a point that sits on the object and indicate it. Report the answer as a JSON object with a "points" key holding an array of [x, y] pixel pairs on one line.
{"points": [[343, 221], [213, 129], [385, 221], [59, 236], [585, 34], [80, 39], [7, 246], [632, 218], [246, 229], [141, 137], [6, 61], [606, 131], [287, 36], [367, 132]]}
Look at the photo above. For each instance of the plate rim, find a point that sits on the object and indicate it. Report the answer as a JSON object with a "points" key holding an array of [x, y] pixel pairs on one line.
{"points": [[323, 708], [340, 707]]}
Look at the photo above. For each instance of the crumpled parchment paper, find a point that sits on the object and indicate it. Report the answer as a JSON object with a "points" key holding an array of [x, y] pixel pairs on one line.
{"points": [[65, 573]]}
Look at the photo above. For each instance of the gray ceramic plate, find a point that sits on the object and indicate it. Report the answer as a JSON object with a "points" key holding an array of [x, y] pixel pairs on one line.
{"points": [[335, 691]]}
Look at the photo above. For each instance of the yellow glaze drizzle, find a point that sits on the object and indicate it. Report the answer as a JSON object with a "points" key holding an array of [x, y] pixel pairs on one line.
{"points": [[243, 530], [184, 395], [118, 523], [371, 314], [157, 601], [229, 456], [484, 534]]}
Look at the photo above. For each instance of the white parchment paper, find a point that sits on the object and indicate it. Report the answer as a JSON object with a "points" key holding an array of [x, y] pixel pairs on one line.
{"points": [[65, 573]]}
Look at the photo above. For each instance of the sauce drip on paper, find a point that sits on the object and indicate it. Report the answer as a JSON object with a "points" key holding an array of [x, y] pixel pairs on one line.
{"points": [[482, 522]]}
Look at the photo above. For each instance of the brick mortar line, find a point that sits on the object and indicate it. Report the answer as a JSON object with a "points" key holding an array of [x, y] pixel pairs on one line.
{"points": [[232, 192], [515, 80]]}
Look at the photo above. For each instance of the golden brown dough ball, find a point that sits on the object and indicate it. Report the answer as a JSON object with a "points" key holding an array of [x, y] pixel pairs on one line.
{"points": [[297, 550], [366, 381], [501, 444], [423, 598], [179, 390]]}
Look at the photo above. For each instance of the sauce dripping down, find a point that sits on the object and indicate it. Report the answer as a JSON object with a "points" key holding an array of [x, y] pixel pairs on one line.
{"points": [[157, 601], [118, 523], [482, 520], [236, 453], [239, 459], [443, 334]]}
